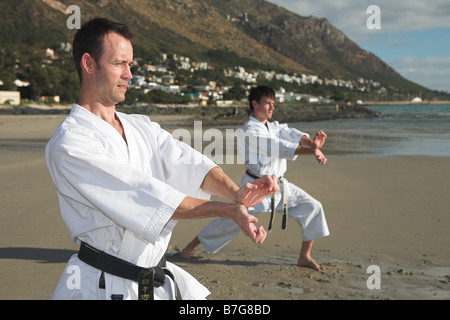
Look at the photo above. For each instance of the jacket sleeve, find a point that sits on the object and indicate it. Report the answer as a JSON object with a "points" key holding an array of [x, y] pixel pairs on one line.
{"points": [[185, 168], [100, 186]]}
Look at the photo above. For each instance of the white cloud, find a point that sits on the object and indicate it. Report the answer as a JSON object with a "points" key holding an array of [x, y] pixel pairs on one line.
{"points": [[431, 72], [402, 40], [350, 16]]}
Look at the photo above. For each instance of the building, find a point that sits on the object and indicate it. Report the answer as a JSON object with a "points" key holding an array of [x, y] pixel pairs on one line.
{"points": [[49, 99], [138, 81], [11, 97]]}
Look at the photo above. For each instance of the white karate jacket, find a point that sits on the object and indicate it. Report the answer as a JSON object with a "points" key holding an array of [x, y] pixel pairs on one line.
{"points": [[119, 197], [264, 150]]}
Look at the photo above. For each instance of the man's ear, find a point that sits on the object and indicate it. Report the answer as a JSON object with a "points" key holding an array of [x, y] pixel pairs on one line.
{"points": [[88, 63], [254, 103]]}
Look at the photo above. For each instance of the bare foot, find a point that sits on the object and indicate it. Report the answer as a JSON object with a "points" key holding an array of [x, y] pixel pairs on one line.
{"points": [[309, 263], [187, 252]]}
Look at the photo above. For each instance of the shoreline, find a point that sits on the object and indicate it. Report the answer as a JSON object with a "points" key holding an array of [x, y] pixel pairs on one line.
{"points": [[44, 106], [216, 116], [425, 102], [389, 211], [183, 116]]}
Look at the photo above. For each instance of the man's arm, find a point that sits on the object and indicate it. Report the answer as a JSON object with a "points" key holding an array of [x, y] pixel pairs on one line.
{"points": [[192, 208], [316, 143], [309, 146], [307, 143], [216, 182]]}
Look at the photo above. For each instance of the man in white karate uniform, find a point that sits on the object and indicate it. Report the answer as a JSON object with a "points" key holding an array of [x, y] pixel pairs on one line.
{"points": [[123, 182], [265, 146]]}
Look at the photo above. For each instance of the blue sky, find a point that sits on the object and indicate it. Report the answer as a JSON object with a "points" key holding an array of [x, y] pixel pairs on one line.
{"points": [[414, 35]]}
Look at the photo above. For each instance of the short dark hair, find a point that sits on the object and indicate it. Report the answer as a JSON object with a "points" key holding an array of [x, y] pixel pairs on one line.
{"points": [[89, 38], [257, 93]]}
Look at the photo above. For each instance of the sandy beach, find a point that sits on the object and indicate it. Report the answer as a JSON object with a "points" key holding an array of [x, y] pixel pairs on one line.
{"points": [[389, 211]]}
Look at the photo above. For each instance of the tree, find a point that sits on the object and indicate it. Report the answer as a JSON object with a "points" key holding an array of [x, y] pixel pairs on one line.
{"points": [[235, 93], [8, 81]]}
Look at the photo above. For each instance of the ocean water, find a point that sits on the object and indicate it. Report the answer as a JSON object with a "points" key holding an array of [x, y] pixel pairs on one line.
{"points": [[400, 130]]}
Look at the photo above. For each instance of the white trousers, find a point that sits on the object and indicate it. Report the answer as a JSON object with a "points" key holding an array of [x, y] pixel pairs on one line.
{"points": [[306, 210]]}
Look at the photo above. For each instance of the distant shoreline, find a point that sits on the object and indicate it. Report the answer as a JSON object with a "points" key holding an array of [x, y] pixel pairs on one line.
{"points": [[375, 103], [42, 106], [177, 116], [215, 116]]}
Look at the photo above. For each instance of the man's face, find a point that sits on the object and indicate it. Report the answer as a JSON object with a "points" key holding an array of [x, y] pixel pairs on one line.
{"points": [[113, 69], [264, 109]]}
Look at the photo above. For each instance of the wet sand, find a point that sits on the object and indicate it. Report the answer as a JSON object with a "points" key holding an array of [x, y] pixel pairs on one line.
{"points": [[389, 211]]}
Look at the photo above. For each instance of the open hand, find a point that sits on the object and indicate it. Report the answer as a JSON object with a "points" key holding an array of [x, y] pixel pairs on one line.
{"points": [[246, 223], [319, 139], [320, 157], [253, 193]]}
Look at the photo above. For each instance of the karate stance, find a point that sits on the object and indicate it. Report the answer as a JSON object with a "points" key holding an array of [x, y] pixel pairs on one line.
{"points": [[265, 147], [123, 182]]}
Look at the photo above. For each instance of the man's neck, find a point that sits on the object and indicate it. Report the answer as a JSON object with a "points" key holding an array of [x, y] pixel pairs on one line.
{"points": [[260, 119], [91, 101], [105, 113]]}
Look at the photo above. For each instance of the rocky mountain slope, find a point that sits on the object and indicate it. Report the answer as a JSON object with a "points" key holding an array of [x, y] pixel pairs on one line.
{"points": [[254, 33]]}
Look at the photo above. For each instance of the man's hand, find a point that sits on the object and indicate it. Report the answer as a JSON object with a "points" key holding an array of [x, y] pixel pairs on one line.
{"points": [[247, 222], [319, 139], [320, 157], [253, 193]]}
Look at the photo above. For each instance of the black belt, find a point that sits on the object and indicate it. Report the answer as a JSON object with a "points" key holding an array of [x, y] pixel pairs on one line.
{"points": [[147, 278], [272, 203]]}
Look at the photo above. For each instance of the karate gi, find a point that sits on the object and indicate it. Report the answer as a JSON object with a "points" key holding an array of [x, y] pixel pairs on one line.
{"points": [[264, 151], [119, 197]]}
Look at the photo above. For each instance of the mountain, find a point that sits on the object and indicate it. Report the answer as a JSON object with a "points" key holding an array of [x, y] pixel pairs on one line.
{"points": [[255, 33]]}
